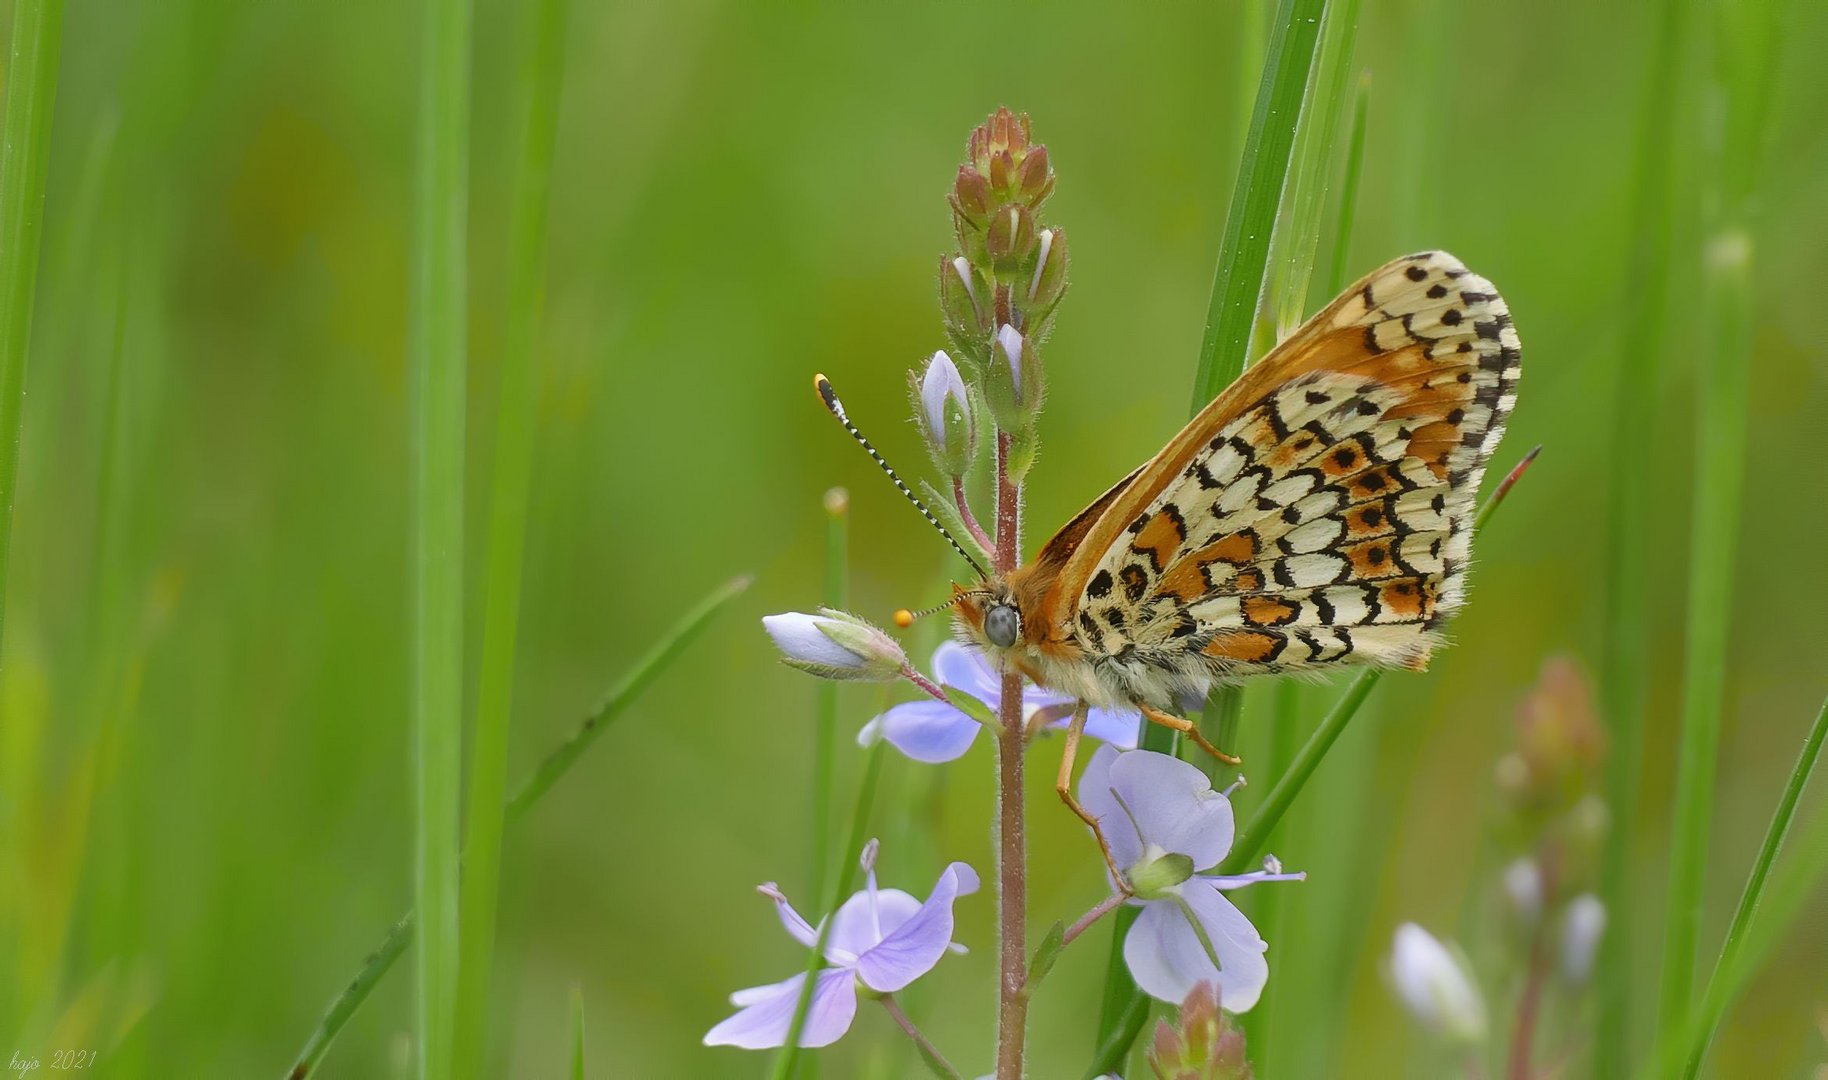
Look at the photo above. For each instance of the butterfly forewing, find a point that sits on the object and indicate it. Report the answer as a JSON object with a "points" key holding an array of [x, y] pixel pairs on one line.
{"points": [[1319, 510]]}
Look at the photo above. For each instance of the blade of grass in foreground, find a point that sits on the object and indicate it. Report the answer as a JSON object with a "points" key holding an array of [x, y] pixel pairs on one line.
{"points": [[439, 374], [540, 67], [1745, 44], [31, 89], [846, 874], [556, 764], [1236, 289], [1625, 668], [1733, 966]]}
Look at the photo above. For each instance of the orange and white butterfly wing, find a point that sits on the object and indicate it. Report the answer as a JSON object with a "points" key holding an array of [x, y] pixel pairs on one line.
{"points": [[1319, 510]]}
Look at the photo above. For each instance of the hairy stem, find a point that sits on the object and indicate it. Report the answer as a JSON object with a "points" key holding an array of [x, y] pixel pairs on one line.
{"points": [[1085, 922], [1012, 860], [928, 1052], [965, 515]]}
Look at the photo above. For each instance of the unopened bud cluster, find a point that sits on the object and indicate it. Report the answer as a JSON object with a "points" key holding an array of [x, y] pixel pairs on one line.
{"points": [[999, 290]]}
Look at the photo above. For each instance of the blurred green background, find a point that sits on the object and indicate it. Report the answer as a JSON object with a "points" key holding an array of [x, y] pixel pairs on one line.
{"points": [[203, 697]]}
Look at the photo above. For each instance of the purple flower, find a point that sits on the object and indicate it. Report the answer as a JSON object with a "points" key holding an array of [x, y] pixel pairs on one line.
{"points": [[933, 731], [881, 939], [1163, 821]]}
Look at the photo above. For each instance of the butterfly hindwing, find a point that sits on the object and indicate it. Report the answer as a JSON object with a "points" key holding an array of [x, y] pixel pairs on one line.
{"points": [[1320, 509]]}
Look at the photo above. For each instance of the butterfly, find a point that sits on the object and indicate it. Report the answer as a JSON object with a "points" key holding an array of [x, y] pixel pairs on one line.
{"points": [[1318, 513]]}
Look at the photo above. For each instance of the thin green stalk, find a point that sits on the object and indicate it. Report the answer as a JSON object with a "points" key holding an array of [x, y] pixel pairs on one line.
{"points": [[577, 1033], [541, 63], [1231, 314], [1683, 1055], [1316, 162], [843, 878], [25, 136], [1251, 222], [1745, 43], [555, 765], [439, 371], [1625, 664], [825, 704], [1348, 188]]}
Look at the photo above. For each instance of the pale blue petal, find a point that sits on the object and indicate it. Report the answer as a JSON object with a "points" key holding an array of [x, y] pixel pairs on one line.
{"points": [[767, 1013], [929, 731], [855, 931], [964, 666], [910, 949], [1113, 726], [1166, 957], [1174, 805], [1095, 795], [798, 636]]}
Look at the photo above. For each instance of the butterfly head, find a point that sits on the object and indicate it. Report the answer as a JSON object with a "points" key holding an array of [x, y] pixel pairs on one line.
{"points": [[991, 616]]}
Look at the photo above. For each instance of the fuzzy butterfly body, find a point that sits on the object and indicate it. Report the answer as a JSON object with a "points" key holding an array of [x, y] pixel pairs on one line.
{"points": [[1318, 512]]}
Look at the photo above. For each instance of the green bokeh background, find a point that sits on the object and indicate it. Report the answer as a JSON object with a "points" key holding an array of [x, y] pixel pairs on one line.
{"points": [[203, 704]]}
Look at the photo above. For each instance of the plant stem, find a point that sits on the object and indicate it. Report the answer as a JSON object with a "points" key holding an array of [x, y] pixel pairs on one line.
{"points": [[1730, 969], [541, 59], [1529, 1003], [1012, 851], [1625, 664], [555, 765], [31, 91], [438, 366], [928, 1052], [1085, 922], [965, 515]]}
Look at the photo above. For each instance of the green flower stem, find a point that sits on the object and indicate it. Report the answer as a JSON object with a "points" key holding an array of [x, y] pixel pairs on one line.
{"points": [[929, 1054], [1348, 188], [438, 376], [1231, 314], [31, 91], [540, 64], [556, 764], [1625, 662], [1682, 1056], [844, 877], [825, 704]]}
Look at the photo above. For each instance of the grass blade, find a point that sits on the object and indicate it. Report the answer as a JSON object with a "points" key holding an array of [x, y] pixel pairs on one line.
{"points": [[844, 877], [1625, 662], [1732, 968], [31, 91], [1348, 188], [438, 367], [556, 764], [541, 66], [1745, 46], [1231, 315]]}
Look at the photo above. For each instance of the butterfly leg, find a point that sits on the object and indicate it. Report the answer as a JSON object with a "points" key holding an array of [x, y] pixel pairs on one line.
{"points": [[1064, 785], [1186, 727]]}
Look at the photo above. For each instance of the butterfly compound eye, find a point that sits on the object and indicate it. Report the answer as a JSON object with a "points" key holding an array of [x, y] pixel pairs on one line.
{"points": [[1002, 625]]}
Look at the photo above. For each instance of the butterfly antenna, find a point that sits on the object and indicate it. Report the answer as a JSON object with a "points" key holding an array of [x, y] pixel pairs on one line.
{"points": [[905, 618], [836, 408]]}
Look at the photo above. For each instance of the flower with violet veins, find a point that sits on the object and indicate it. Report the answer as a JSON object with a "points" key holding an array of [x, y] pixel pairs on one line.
{"points": [[1163, 821], [933, 731], [881, 940], [835, 645], [1435, 986], [945, 415]]}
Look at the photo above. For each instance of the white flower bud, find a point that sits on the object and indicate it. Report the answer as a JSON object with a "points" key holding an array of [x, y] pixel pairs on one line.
{"points": [[1011, 341], [1435, 986], [1523, 885], [835, 645], [1581, 930]]}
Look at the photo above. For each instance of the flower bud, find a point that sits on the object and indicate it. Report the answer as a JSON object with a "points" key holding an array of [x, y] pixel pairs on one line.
{"points": [[1523, 887], [964, 301], [1204, 1046], [943, 409], [1434, 985], [1010, 238], [1034, 179], [1158, 873], [1046, 284], [835, 645], [971, 195], [1582, 927]]}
